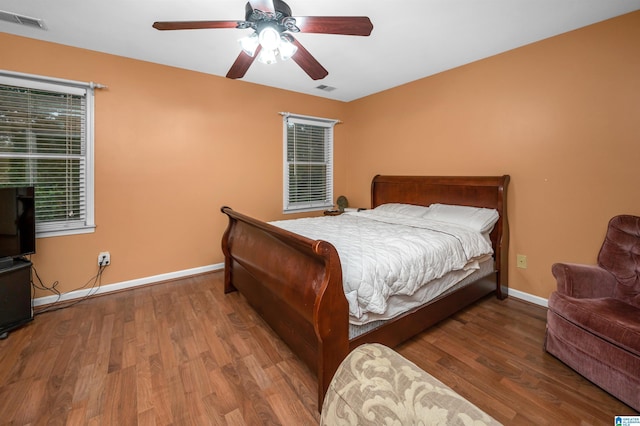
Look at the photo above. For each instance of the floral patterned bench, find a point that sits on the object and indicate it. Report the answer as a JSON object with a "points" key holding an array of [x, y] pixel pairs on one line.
{"points": [[375, 385]]}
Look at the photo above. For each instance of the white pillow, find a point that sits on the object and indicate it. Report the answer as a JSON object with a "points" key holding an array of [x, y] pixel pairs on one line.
{"points": [[478, 218], [403, 209]]}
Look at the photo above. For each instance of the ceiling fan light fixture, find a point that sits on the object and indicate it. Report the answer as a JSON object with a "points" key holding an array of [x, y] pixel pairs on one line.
{"points": [[271, 22], [250, 44]]}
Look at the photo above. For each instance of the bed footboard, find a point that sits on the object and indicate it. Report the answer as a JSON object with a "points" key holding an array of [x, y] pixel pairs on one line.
{"points": [[295, 284]]}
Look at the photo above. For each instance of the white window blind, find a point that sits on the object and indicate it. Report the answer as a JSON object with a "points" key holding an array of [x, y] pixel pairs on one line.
{"points": [[308, 163], [46, 140]]}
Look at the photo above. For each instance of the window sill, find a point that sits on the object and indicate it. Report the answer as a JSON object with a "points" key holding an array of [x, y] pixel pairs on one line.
{"points": [[64, 232]]}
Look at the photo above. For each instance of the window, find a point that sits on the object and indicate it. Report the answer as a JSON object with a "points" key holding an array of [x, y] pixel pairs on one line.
{"points": [[308, 163], [46, 140]]}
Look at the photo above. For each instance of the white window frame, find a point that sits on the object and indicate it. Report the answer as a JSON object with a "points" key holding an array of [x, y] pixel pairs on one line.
{"points": [[86, 224], [291, 206]]}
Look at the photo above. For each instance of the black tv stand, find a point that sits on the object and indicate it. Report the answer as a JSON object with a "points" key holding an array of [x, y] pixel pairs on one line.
{"points": [[15, 296], [6, 262]]}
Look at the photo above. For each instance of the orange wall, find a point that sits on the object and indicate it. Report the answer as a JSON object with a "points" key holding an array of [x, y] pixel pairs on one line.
{"points": [[171, 147], [561, 116]]}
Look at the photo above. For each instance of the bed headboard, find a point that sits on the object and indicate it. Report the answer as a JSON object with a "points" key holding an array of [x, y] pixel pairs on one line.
{"points": [[477, 191]]}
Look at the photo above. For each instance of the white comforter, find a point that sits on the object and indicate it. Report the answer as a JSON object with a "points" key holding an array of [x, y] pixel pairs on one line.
{"points": [[385, 254]]}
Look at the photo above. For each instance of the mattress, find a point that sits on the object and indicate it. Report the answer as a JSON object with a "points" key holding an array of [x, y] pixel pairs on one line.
{"points": [[388, 258], [447, 284]]}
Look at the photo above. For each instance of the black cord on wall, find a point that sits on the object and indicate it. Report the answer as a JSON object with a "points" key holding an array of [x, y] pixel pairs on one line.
{"points": [[92, 283]]}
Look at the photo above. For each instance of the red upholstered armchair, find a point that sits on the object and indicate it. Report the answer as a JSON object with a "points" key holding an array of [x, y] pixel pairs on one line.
{"points": [[593, 321]]}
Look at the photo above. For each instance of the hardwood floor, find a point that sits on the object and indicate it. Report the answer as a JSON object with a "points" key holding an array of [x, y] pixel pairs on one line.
{"points": [[183, 353]]}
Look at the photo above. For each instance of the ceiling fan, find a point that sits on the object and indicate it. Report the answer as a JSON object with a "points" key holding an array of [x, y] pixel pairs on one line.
{"points": [[273, 28]]}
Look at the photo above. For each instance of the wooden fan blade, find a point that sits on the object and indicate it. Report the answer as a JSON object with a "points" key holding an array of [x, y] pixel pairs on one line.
{"points": [[308, 63], [345, 25], [194, 25], [242, 64], [263, 5]]}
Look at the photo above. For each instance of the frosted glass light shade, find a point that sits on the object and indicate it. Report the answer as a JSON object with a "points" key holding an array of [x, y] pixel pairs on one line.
{"points": [[287, 49], [267, 56], [269, 38], [249, 44]]}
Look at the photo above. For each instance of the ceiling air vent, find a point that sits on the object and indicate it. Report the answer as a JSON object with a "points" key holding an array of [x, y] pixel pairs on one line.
{"points": [[325, 88], [22, 20]]}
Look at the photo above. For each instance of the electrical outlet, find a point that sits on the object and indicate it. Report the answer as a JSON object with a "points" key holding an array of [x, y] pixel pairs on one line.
{"points": [[104, 258], [521, 261]]}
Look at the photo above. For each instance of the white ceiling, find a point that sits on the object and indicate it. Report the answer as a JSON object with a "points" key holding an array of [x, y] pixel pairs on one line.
{"points": [[411, 39]]}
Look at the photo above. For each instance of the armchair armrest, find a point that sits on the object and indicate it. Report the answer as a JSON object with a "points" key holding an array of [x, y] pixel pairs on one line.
{"points": [[583, 281]]}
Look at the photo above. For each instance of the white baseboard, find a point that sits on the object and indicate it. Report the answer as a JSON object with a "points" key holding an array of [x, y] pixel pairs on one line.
{"points": [[201, 270], [528, 297], [128, 284]]}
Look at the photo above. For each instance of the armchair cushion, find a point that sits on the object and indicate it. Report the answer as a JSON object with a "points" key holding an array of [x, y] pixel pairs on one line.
{"points": [[610, 319]]}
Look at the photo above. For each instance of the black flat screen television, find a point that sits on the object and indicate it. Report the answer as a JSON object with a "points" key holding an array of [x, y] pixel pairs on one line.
{"points": [[17, 222]]}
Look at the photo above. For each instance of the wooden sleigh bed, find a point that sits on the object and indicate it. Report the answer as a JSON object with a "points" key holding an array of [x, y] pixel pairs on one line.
{"points": [[295, 283]]}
